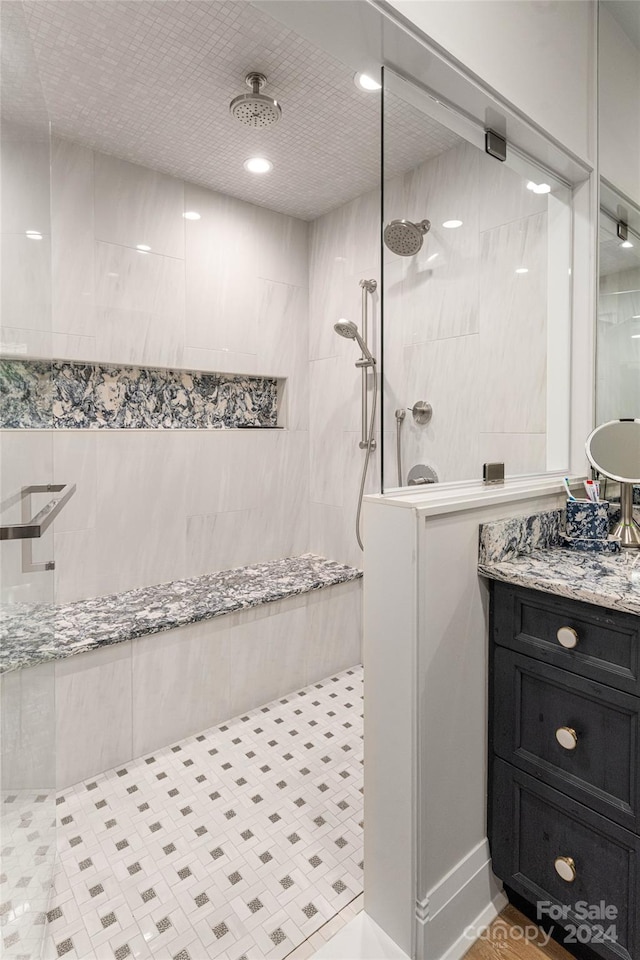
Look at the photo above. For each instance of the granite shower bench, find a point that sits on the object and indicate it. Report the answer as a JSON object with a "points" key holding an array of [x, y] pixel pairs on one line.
{"points": [[90, 685]]}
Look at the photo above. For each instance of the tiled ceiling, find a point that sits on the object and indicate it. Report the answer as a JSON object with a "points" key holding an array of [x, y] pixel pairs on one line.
{"points": [[151, 81]]}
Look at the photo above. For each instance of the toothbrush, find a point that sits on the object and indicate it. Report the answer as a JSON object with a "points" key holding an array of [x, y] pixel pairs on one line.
{"points": [[591, 490], [570, 496]]}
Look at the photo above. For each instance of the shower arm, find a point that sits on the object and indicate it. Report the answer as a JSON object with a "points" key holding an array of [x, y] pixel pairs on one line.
{"points": [[368, 286]]}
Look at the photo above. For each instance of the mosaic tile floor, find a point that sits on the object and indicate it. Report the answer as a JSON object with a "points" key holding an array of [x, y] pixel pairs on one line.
{"points": [[236, 844]]}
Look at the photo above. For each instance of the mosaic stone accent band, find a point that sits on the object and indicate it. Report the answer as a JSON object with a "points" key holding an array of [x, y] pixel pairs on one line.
{"points": [[40, 394]]}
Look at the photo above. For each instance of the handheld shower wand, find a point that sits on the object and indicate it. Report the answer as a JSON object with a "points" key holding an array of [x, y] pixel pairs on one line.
{"points": [[349, 330]]}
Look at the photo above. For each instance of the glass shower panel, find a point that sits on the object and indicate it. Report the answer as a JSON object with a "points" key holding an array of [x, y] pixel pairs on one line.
{"points": [[476, 301], [27, 718]]}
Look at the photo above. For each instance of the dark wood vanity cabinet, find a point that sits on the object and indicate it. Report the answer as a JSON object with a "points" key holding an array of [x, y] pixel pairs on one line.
{"points": [[564, 765]]}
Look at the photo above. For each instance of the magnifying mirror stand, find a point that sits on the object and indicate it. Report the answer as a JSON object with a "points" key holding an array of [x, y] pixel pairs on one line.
{"points": [[627, 529]]}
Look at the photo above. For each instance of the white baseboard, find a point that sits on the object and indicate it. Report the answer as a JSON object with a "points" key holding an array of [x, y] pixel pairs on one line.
{"points": [[458, 907]]}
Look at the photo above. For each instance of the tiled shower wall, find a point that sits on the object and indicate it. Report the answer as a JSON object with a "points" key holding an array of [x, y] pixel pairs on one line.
{"points": [[226, 293], [239, 291], [462, 331]]}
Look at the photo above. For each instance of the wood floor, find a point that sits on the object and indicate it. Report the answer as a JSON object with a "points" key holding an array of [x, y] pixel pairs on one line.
{"points": [[505, 941]]}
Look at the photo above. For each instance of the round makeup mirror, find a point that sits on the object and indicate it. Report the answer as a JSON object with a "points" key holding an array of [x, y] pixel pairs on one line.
{"points": [[614, 450]]}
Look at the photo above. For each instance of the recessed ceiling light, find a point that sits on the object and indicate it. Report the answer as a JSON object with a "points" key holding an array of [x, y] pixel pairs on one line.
{"points": [[541, 188], [522, 269], [531, 185], [626, 244], [191, 215], [452, 224], [365, 82], [143, 247], [33, 234], [258, 165]]}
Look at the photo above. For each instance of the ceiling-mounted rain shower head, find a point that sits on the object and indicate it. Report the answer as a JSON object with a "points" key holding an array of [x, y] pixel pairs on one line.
{"points": [[255, 109], [404, 237], [349, 330]]}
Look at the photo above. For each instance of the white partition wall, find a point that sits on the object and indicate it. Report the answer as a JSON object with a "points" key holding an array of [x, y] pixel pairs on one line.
{"points": [[428, 879]]}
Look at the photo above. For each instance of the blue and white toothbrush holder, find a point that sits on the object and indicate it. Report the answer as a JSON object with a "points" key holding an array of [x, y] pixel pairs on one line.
{"points": [[587, 520]]}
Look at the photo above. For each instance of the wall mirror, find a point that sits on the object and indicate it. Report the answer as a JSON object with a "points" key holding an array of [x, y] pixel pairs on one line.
{"points": [[618, 316]]}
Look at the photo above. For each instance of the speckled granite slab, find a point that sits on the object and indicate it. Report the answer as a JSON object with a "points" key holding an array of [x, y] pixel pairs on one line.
{"points": [[504, 539], [30, 635], [529, 552], [40, 394], [611, 581]]}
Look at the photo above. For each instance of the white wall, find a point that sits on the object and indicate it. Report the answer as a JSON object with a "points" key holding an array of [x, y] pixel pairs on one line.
{"points": [[226, 293], [618, 106], [538, 56]]}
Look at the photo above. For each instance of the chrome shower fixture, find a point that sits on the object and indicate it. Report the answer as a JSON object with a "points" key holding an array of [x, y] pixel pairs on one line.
{"points": [[405, 237], [255, 109], [349, 330]]}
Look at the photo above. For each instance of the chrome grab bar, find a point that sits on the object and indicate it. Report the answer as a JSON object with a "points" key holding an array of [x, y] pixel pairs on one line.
{"points": [[34, 527]]}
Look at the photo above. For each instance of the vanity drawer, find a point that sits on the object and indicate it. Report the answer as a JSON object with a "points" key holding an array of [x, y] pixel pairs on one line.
{"points": [[534, 828], [607, 643], [575, 734]]}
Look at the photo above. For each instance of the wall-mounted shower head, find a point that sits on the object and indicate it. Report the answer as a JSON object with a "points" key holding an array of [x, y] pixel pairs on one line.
{"points": [[349, 330], [405, 237], [255, 109]]}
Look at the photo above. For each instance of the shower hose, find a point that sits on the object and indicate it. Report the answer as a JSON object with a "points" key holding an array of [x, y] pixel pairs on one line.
{"points": [[365, 465]]}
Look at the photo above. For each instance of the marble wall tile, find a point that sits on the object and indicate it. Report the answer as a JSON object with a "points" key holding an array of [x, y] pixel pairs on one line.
{"points": [[232, 247], [79, 564], [328, 269], [26, 458], [72, 239], [141, 505], [75, 456], [25, 186], [221, 361], [334, 630], [135, 205], [446, 373], [503, 194], [521, 453], [26, 283], [97, 687], [140, 301], [21, 344], [27, 723], [283, 345], [181, 683], [268, 655], [270, 518], [513, 333], [73, 347]]}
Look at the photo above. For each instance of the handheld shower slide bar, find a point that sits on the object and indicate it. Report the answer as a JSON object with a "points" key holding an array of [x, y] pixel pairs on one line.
{"points": [[368, 286], [349, 330]]}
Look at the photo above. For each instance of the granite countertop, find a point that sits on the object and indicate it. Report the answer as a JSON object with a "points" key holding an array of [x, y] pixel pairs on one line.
{"points": [[31, 634], [527, 551]]}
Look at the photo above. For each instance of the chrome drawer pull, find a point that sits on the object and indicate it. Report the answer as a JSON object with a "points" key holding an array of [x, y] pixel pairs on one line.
{"points": [[567, 738], [567, 637], [565, 868]]}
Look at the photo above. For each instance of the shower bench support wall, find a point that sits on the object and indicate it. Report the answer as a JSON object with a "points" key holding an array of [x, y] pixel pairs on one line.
{"points": [[124, 700]]}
